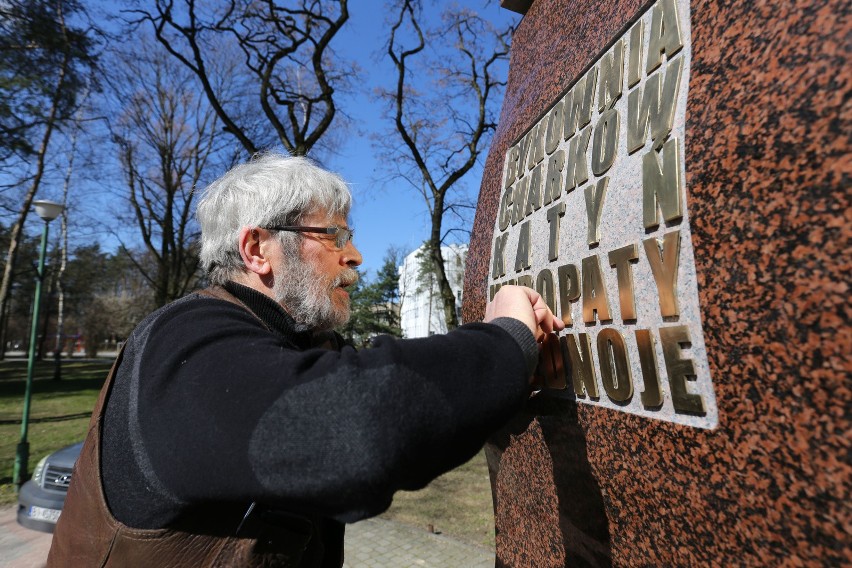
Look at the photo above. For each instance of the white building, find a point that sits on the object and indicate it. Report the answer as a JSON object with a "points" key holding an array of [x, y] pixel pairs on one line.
{"points": [[421, 311]]}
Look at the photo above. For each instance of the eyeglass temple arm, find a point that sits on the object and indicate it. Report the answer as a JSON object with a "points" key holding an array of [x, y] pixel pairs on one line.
{"points": [[326, 230]]}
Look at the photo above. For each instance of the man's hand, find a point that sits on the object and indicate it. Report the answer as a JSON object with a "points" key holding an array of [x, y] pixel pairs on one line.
{"points": [[526, 305]]}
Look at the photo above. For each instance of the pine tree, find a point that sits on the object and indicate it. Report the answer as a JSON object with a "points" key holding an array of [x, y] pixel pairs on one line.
{"points": [[375, 305]]}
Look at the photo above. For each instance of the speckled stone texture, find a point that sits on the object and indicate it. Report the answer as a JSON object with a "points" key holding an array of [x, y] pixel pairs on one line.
{"points": [[768, 178]]}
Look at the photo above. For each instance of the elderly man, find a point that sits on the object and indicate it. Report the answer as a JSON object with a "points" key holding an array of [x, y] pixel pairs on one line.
{"points": [[236, 429]]}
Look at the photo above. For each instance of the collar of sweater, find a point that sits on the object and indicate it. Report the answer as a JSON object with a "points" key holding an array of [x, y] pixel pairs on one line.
{"points": [[271, 313]]}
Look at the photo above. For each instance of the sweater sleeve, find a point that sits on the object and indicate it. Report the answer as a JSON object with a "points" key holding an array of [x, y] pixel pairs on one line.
{"points": [[226, 411]]}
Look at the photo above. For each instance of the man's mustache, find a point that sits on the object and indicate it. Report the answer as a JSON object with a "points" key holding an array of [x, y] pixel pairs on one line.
{"points": [[346, 278]]}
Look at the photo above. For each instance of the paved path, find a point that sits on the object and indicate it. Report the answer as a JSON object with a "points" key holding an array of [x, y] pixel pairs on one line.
{"points": [[20, 547], [378, 543], [374, 543]]}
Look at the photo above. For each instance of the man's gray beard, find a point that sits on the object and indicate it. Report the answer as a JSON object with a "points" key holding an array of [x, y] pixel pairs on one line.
{"points": [[304, 295]]}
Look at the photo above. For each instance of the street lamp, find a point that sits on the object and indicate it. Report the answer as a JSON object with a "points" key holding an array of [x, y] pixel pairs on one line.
{"points": [[48, 211]]}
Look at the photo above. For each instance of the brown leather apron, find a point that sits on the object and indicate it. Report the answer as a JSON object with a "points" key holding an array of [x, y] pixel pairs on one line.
{"points": [[88, 535]]}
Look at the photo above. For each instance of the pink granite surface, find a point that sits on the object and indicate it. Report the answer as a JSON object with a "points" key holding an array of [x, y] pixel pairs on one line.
{"points": [[768, 182]]}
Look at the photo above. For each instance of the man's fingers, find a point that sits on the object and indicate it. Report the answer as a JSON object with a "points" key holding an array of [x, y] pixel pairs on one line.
{"points": [[524, 304], [546, 318]]}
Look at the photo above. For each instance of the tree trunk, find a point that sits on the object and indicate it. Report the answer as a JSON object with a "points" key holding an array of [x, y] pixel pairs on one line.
{"points": [[448, 299], [438, 166], [63, 264], [60, 307], [45, 322], [18, 227]]}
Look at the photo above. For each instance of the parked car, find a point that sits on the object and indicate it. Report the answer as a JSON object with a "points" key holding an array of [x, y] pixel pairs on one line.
{"points": [[40, 499]]}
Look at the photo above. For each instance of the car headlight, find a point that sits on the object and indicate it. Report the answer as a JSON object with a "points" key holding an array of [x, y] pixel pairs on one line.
{"points": [[38, 472]]}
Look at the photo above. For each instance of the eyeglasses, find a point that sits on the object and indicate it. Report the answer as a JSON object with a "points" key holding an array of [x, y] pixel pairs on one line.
{"points": [[341, 234]]}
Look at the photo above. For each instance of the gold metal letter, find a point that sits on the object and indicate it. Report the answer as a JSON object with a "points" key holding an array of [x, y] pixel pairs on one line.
{"points": [[594, 291], [519, 196], [569, 290], [511, 167], [611, 76], [499, 267], [535, 153], [621, 260], [551, 349], [554, 216], [577, 111], [679, 369], [662, 184], [634, 73], [605, 143], [505, 215], [664, 258], [554, 363], [615, 367], [537, 150], [525, 280], [658, 110], [577, 349], [651, 397], [554, 128], [544, 286], [665, 34], [524, 150], [553, 184], [595, 194], [534, 195], [522, 258], [575, 165]]}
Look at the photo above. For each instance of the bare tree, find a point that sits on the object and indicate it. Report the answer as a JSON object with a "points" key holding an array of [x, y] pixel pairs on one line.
{"points": [[166, 135], [442, 135], [51, 60], [63, 262], [290, 70]]}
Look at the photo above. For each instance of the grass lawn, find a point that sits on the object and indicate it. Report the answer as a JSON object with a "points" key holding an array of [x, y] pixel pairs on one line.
{"points": [[59, 410], [457, 504]]}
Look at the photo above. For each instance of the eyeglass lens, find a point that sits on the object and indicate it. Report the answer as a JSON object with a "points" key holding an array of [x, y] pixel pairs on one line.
{"points": [[343, 237]]}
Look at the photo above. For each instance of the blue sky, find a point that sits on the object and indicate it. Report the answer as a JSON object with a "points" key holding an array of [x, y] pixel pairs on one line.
{"points": [[385, 212]]}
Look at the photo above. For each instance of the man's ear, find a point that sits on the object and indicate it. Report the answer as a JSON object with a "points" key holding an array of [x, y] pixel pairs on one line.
{"points": [[251, 251]]}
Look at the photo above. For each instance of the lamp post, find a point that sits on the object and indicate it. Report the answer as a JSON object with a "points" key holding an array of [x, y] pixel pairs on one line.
{"points": [[48, 211]]}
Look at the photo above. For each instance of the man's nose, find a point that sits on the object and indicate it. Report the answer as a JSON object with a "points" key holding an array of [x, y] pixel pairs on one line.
{"points": [[351, 255]]}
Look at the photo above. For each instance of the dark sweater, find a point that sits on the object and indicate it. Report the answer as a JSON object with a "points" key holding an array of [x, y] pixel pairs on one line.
{"points": [[211, 407]]}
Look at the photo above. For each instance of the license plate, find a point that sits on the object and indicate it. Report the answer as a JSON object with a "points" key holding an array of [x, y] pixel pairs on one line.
{"points": [[42, 514]]}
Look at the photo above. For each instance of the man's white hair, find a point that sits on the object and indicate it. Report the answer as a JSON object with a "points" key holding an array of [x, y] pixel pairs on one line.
{"points": [[271, 189]]}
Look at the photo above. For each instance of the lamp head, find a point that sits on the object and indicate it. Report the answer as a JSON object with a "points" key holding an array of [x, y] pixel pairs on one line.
{"points": [[48, 210]]}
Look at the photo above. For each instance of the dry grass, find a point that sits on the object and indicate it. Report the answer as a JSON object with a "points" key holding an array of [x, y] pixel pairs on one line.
{"points": [[457, 504]]}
